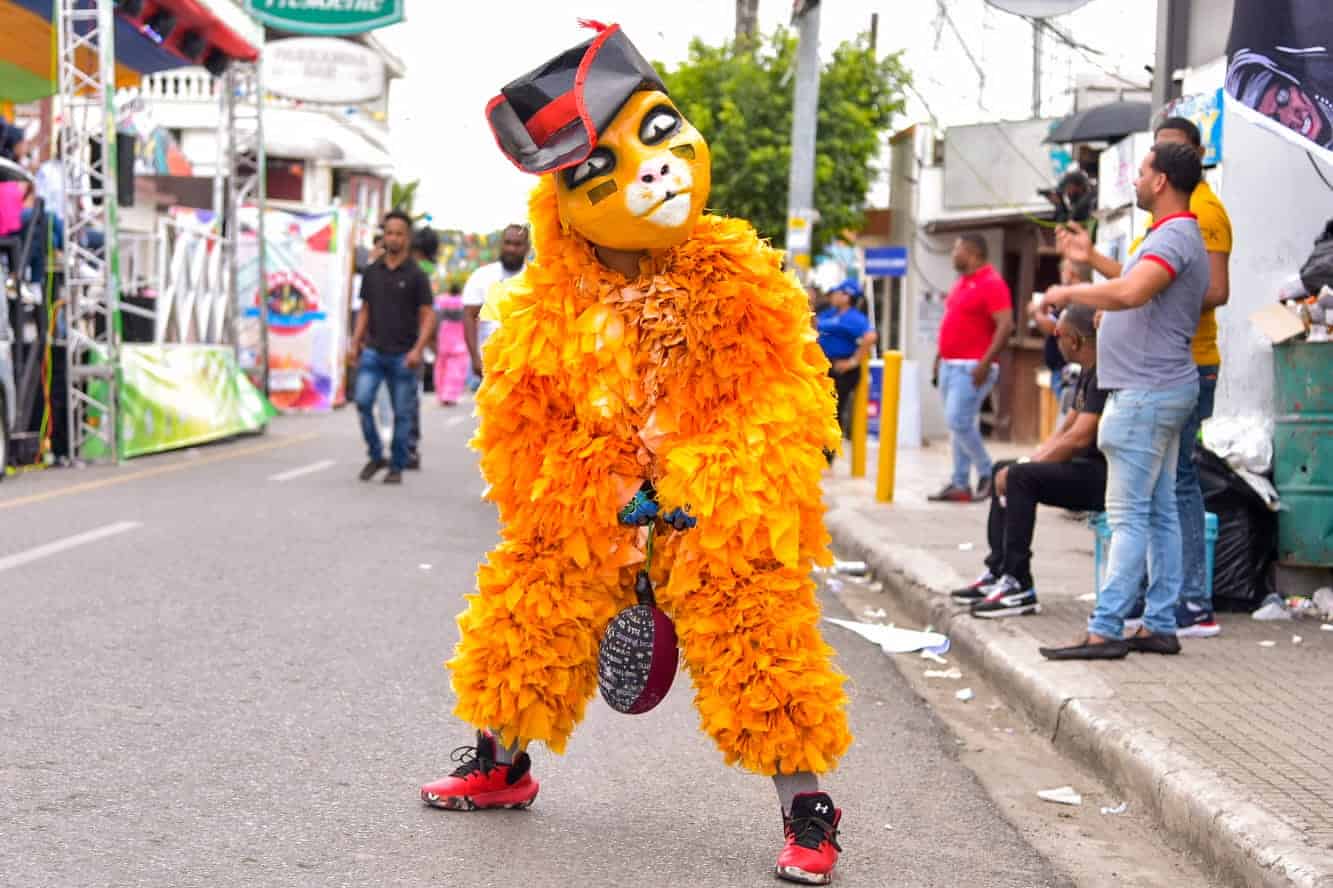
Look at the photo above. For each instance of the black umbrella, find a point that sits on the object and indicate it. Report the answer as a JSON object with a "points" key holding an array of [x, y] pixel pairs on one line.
{"points": [[1102, 123]]}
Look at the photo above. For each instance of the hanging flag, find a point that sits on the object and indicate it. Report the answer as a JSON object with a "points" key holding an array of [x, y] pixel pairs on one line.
{"points": [[1280, 68]]}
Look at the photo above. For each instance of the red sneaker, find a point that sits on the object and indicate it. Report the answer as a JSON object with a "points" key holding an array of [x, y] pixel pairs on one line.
{"points": [[482, 782], [812, 840]]}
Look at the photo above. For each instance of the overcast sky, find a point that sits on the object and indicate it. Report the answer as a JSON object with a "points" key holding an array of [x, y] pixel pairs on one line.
{"points": [[458, 55]]}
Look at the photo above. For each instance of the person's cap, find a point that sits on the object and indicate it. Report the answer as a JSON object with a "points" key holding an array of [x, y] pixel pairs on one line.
{"points": [[851, 287], [551, 118]]}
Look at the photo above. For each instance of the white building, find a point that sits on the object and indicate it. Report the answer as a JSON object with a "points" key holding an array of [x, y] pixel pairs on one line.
{"points": [[320, 146]]}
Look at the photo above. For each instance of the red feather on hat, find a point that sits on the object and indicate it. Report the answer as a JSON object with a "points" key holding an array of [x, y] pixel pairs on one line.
{"points": [[593, 25]]}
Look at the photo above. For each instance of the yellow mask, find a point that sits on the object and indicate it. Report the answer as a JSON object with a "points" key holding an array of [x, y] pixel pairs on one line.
{"points": [[644, 185]]}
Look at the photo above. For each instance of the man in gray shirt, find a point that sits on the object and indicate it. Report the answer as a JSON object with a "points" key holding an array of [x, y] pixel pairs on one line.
{"points": [[1144, 359]]}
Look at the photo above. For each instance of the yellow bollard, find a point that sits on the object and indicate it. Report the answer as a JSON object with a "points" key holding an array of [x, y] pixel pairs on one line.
{"points": [[889, 385], [860, 406]]}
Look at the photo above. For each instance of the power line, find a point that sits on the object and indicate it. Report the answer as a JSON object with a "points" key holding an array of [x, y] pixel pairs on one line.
{"points": [[1087, 51]]}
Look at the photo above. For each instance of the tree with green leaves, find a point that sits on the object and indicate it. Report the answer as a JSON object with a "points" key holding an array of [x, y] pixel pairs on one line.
{"points": [[742, 103]]}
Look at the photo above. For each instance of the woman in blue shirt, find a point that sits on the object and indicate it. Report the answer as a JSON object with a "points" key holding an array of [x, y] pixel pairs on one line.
{"points": [[846, 337]]}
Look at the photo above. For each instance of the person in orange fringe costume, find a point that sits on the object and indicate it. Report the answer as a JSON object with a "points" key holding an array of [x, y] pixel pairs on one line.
{"points": [[647, 341]]}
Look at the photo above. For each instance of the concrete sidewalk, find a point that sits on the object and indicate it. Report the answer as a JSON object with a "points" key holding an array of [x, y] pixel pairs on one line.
{"points": [[1229, 744]]}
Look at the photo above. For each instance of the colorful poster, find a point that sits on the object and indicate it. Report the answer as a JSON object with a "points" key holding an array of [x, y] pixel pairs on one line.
{"points": [[307, 271], [1280, 68], [181, 395], [1205, 112]]}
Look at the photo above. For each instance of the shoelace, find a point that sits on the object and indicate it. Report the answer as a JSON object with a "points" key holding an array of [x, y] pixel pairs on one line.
{"points": [[811, 832], [470, 762]]}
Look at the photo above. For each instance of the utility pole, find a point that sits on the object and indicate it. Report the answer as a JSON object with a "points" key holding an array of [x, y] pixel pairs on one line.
{"points": [[1036, 68], [801, 215], [747, 21]]}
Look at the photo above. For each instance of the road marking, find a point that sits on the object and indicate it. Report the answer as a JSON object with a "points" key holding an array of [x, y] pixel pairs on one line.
{"points": [[160, 470], [303, 470], [71, 542], [456, 420]]}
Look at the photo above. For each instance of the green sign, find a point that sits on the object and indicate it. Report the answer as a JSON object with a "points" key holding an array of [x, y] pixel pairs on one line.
{"points": [[330, 17], [181, 395]]}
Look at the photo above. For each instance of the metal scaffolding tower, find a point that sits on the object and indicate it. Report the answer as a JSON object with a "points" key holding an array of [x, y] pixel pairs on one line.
{"points": [[241, 137], [86, 30]]}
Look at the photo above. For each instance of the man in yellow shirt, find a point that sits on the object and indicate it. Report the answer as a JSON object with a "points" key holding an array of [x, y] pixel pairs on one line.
{"points": [[1194, 614]]}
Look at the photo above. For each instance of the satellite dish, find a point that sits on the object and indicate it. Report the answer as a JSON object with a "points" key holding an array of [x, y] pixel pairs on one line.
{"points": [[1038, 8]]}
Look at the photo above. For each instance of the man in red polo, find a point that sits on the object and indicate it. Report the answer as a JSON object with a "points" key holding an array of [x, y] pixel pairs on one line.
{"points": [[978, 319]]}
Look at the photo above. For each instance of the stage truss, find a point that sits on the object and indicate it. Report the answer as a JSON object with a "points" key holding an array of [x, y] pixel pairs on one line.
{"points": [[92, 312]]}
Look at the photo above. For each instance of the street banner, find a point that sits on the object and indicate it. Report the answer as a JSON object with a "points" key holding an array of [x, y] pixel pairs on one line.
{"points": [[175, 396], [326, 17], [1280, 69], [308, 274]]}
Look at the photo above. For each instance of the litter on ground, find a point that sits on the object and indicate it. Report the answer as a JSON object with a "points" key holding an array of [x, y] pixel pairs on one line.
{"points": [[1118, 809], [965, 694], [1061, 795], [893, 640]]}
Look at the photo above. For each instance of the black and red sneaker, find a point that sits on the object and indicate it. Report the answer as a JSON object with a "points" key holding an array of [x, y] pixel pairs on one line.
{"points": [[812, 840], [481, 782]]}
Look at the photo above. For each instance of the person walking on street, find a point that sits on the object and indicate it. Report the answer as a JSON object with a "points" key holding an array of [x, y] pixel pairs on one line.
{"points": [[396, 322], [513, 256], [846, 337], [978, 319], [1194, 613], [451, 356], [1144, 360]]}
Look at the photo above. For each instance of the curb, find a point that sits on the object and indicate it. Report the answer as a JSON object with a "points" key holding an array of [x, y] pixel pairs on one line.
{"points": [[1238, 841]]}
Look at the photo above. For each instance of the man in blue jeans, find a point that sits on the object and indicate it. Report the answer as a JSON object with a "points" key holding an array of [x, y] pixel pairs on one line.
{"points": [[396, 322], [1194, 614], [1144, 360], [978, 318]]}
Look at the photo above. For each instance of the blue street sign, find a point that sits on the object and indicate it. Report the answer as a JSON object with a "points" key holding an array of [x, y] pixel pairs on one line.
{"points": [[886, 261]]}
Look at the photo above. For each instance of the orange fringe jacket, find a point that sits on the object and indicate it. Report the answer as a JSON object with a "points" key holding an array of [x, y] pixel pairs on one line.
{"points": [[704, 375]]}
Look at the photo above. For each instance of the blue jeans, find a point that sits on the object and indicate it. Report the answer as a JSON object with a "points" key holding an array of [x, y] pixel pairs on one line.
{"points": [[1140, 435], [374, 368], [962, 411], [1189, 496]]}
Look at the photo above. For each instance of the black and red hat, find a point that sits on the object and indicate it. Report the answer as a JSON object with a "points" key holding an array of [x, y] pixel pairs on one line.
{"points": [[551, 117]]}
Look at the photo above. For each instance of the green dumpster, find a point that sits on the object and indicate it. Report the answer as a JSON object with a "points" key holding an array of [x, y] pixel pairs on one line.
{"points": [[1303, 451]]}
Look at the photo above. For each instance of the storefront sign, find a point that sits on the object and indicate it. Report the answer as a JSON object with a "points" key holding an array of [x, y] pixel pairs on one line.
{"points": [[328, 17], [323, 69]]}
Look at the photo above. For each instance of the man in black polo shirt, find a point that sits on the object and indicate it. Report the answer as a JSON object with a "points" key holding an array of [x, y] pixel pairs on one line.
{"points": [[396, 322]]}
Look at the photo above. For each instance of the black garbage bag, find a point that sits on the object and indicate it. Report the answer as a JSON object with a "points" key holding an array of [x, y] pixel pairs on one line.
{"points": [[1246, 546], [1318, 269]]}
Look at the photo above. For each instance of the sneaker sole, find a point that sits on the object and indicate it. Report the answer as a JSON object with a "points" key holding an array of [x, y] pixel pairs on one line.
{"points": [[1020, 611], [1200, 631], [802, 877], [504, 800], [966, 599]]}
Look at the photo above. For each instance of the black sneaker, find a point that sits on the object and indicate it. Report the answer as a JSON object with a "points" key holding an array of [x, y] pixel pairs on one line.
{"points": [[413, 460], [984, 488], [972, 594], [372, 468], [1006, 597], [395, 476]]}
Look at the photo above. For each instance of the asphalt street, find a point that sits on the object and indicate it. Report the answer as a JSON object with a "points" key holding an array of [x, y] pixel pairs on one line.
{"points": [[223, 667]]}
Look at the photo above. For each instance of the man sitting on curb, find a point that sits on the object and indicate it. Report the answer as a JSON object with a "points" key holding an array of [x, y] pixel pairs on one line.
{"points": [[1067, 471]]}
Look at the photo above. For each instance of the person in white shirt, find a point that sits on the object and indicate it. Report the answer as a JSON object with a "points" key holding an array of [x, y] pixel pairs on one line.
{"points": [[513, 256]]}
